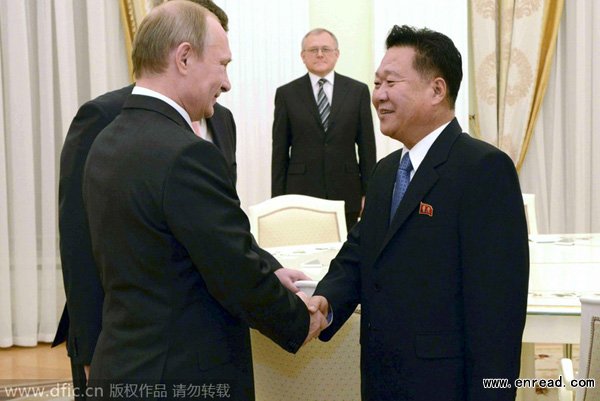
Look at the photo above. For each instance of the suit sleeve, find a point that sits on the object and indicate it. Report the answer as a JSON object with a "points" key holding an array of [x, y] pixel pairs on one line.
{"points": [[341, 284], [280, 157], [266, 256], [82, 283], [203, 212], [495, 254], [366, 139]]}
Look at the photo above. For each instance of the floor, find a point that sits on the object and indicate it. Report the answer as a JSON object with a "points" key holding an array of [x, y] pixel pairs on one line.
{"points": [[547, 360], [42, 364], [34, 363]]}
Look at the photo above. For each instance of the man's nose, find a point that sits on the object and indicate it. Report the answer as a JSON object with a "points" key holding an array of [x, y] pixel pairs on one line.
{"points": [[379, 95], [226, 85]]}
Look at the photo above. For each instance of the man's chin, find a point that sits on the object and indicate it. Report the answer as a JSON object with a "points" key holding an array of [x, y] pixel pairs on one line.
{"points": [[385, 130], [209, 112]]}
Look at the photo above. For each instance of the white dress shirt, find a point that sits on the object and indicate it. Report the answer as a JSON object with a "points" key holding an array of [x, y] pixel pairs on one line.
{"points": [[419, 151], [327, 86]]}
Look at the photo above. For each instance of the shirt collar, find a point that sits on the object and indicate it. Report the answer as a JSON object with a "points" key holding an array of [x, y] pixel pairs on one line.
{"points": [[138, 90], [314, 79], [419, 151]]}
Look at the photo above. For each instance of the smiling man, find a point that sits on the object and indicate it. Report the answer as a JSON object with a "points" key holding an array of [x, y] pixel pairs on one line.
{"points": [[439, 260], [175, 256], [320, 119]]}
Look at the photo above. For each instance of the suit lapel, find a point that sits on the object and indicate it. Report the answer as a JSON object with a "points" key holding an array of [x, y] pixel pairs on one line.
{"points": [[340, 89], [307, 97], [423, 180], [384, 196]]}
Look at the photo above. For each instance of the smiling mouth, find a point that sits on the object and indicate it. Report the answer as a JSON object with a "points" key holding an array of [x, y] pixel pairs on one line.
{"points": [[385, 111]]}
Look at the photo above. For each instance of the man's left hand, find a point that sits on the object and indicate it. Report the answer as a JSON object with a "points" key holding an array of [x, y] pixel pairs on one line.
{"points": [[288, 277]]}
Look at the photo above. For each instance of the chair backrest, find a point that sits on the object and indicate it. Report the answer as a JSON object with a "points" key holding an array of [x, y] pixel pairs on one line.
{"points": [[529, 202], [297, 219], [589, 357]]}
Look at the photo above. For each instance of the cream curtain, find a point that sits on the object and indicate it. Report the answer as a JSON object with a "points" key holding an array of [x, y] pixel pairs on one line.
{"points": [[264, 36], [513, 42], [562, 166], [132, 14], [53, 57]]}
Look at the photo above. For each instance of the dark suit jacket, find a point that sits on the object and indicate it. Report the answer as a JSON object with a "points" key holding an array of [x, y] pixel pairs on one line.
{"points": [[175, 257], [81, 320], [306, 159], [443, 296]]}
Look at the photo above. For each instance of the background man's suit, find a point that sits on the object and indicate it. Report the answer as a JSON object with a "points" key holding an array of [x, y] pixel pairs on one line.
{"points": [[175, 256], [81, 321], [306, 159], [443, 290]]}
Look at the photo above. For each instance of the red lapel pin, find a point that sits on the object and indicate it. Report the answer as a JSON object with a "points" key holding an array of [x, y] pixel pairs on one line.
{"points": [[426, 208]]}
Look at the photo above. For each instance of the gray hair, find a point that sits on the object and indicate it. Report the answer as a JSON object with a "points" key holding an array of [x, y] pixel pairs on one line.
{"points": [[317, 31]]}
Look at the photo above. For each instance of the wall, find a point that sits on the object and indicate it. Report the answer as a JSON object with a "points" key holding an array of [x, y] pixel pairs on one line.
{"points": [[351, 22]]}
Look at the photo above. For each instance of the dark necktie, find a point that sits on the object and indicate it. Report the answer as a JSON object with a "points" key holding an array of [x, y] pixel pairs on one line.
{"points": [[402, 181], [323, 104]]}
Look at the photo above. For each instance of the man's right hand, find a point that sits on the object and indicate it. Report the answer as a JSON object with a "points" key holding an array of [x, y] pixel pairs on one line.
{"points": [[318, 303], [318, 321]]}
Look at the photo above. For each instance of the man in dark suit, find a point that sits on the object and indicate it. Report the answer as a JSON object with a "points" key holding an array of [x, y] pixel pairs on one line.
{"points": [[439, 261], [182, 283], [320, 118], [81, 319]]}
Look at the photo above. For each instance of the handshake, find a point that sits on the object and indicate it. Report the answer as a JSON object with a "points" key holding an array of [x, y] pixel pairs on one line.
{"points": [[317, 305], [319, 309]]}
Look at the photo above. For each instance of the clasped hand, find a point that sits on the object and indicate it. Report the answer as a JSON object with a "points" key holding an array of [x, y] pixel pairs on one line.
{"points": [[317, 305], [318, 308]]}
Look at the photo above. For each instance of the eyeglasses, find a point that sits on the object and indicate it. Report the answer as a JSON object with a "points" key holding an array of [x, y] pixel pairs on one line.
{"points": [[325, 50]]}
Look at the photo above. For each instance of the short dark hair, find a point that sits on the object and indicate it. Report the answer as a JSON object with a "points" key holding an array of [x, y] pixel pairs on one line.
{"points": [[217, 11], [435, 55]]}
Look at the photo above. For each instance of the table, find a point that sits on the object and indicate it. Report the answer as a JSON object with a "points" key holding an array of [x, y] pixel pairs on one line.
{"points": [[319, 371], [562, 268]]}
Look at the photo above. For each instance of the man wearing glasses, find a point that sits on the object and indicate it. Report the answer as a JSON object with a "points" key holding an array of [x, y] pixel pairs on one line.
{"points": [[320, 118]]}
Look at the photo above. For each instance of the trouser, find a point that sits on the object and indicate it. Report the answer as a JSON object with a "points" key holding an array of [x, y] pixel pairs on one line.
{"points": [[79, 381]]}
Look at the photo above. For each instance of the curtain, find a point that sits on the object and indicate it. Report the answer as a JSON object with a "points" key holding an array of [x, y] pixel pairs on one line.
{"points": [[132, 14], [562, 166], [513, 42], [265, 37], [52, 58], [449, 18]]}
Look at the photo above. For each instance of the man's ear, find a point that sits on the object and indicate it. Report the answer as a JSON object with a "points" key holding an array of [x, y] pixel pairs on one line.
{"points": [[439, 89], [182, 56]]}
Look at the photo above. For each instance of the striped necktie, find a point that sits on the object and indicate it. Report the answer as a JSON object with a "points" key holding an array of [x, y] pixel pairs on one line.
{"points": [[323, 104]]}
